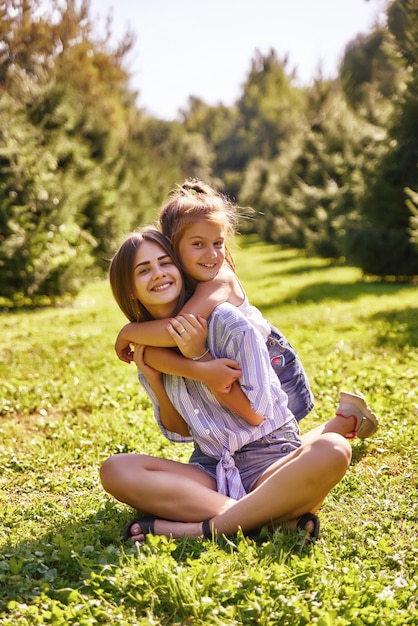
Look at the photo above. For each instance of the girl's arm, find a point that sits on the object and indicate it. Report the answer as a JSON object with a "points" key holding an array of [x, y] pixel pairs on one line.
{"points": [[224, 287], [220, 375], [237, 402], [230, 395], [217, 374], [189, 335], [170, 417]]}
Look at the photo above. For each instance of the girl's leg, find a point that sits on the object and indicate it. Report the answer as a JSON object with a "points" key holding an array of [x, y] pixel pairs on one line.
{"points": [[353, 418], [296, 485], [168, 489]]}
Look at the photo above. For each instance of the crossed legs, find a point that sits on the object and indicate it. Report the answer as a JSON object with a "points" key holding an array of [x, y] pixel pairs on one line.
{"points": [[186, 495]]}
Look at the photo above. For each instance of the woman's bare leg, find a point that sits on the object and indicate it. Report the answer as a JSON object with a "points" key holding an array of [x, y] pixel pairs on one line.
{"points": [[297, 484], [168, 489]]}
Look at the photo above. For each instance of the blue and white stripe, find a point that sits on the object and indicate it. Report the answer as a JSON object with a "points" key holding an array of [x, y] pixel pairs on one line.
{"points": [[218, 431]]}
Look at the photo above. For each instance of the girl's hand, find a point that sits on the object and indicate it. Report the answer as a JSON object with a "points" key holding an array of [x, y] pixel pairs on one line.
{"points": [[190, 334], [123, 349], [220, 375], [150, 373]]}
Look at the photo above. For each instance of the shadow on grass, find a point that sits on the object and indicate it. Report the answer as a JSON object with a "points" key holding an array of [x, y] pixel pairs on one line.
{"points": [[340, 292], [395, 327], [60, 559], [82, 564]]}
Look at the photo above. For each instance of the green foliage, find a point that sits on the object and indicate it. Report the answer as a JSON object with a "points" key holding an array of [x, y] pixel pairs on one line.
{"points": [[325, 168], [306, 197], [62, 154], [370, 76], [44, 250], [66, 403], [381, 243]]}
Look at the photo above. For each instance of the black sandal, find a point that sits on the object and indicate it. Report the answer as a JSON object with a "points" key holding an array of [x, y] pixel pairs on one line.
{"points": [[301, 525], [146, 523], [207, 529]]}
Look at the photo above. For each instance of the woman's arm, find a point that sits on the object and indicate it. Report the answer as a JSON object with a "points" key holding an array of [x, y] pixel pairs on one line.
{"points": [[170, 417], [206, 297]]}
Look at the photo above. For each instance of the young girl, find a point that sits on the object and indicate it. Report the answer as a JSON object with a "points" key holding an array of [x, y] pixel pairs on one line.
{"points": [[250, 470], [198, 221]]}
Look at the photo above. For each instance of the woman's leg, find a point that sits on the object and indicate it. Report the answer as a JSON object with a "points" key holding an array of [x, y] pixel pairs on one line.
{"points": [[296, 484], [168, 489]]}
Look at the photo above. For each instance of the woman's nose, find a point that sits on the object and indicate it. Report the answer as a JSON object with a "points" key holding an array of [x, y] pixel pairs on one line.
{"points": [[158, 272]]}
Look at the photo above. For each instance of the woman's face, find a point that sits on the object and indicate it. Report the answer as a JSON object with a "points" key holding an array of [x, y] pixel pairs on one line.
{"points": [[157, 281]]}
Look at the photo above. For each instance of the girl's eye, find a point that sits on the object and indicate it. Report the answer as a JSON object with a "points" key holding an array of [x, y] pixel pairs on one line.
{"points": [[197, 244]]}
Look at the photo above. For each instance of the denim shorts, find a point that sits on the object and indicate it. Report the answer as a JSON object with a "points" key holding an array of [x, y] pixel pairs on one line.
{"points": [[254, 458], [289, 370]]}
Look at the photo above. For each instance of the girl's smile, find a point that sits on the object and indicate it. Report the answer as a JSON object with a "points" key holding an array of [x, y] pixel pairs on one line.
{"points": [[157, 281]]}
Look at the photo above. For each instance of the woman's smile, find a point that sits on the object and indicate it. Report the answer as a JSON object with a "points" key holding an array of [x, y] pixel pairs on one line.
{"points": [[158, 282]]}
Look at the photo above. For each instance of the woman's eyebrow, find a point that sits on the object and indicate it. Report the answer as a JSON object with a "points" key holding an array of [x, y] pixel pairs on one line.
{"points": [[160, 258]]}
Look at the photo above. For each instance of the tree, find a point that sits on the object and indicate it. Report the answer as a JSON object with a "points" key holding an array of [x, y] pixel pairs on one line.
{"points": [[382, 244], [66, 120]]}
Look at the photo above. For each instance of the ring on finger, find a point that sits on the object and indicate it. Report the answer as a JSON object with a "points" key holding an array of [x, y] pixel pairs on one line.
{"points": [[183, 330]]}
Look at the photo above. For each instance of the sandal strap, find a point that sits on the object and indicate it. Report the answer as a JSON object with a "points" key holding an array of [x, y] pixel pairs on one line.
{"points": [[207, 528]]}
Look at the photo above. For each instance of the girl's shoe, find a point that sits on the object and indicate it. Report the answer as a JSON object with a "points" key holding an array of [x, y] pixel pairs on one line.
{"points": [[354, 405]]}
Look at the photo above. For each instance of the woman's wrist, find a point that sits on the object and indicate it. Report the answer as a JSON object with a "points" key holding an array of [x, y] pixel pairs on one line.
{"points": [[197, 358]]}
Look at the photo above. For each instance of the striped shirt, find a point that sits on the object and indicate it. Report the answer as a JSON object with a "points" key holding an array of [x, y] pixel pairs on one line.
{"points": [[218, 431]]}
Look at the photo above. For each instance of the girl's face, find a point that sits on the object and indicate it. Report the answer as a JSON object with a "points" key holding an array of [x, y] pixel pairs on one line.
{"points": [[157, 281], [202, 250]]}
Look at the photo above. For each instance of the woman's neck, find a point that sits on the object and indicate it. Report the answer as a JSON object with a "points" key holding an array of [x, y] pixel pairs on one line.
{"points": [[163, 311]]}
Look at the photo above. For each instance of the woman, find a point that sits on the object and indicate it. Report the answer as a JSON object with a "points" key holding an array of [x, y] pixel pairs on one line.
{"points": [[252, 467]]}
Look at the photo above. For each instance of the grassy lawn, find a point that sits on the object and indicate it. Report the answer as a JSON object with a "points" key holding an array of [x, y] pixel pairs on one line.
{"points": [[66, 403]]}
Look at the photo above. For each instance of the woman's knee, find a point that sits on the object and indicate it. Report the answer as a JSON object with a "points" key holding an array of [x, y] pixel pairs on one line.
{"points": [[116, 470], [108, 471], [337, 449]]}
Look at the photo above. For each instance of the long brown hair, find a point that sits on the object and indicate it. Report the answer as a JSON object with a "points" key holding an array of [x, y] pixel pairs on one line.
{"points": [[195, 200], [121, 273]]}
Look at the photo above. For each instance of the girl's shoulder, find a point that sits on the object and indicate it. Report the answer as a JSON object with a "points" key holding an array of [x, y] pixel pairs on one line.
{"points": [[228, 277]]}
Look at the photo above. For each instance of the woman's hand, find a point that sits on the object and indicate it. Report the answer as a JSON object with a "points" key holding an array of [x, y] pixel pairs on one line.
{"points": [[190, 334]]}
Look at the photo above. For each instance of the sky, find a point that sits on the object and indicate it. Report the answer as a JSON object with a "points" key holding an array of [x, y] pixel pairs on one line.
{"points": [[204, 48]]}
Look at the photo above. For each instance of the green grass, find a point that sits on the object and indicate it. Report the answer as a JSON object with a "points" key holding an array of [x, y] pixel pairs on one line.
{"points": [[66, 403]]}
